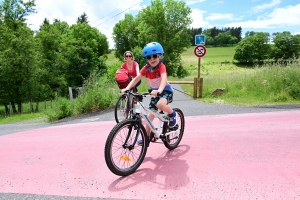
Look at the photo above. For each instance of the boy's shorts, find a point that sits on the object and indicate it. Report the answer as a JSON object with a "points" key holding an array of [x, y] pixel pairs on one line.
{"points": [[165, 94]]}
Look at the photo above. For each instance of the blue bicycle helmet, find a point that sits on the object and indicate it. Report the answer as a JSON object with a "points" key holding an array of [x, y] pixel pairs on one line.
{"points": [[153, 48]]}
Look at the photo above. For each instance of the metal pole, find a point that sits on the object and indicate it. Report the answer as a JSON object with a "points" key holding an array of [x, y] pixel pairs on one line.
{"points": [[199, 64], [200, 80]]}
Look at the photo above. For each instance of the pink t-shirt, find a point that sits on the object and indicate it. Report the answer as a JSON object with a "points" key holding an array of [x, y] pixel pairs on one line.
{"points": [[131, 72], [154, 77]]}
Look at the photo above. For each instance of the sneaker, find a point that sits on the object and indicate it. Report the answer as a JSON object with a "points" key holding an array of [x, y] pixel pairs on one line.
{"points": [[140, 142], [173, 121]]}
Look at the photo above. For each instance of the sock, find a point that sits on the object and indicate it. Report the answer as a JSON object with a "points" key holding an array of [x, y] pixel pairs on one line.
{"points": [[173, 114]]}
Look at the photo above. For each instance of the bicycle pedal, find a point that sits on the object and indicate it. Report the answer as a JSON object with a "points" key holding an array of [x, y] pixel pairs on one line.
{"points": [[152, 138]]}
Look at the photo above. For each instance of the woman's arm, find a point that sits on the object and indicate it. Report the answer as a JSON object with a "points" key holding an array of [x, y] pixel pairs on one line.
{"points": [[132, 83]]}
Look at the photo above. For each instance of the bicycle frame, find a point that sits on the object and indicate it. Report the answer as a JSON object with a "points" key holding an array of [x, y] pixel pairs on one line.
{"points": [[162, 117]]}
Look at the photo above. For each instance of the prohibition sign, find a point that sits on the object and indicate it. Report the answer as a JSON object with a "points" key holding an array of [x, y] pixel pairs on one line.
{"points": [[200, 51]]}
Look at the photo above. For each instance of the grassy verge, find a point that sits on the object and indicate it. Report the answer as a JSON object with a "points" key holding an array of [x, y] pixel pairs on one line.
{"points": [[254, 86], [41, 117], [245, 85]]}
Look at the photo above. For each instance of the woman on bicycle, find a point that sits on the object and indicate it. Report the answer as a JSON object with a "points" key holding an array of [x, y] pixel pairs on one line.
{"points": [[132, 67], [156, 75]]}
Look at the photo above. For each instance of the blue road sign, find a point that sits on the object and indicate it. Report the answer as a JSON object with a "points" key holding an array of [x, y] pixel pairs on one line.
{"points": [[200, 39]]}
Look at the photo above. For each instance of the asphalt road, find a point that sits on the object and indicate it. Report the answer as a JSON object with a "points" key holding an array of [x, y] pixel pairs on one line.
{"points": [[187, 104]]}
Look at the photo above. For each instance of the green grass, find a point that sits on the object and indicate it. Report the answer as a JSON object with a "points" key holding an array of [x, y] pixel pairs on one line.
{"points": [[254, 86], [26, 115], [245, 85], [41, 117]]}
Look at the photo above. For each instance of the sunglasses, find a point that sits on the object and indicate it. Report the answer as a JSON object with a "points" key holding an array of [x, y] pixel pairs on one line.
{"points": [[128, 56], [152, 56]]}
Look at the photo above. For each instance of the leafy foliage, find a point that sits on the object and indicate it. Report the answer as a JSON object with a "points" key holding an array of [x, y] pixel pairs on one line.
{"points": [[256, 47], [253, 48], [165, 22], [37, 67], [95, 97], [63, 108], [125, 34], [286, 46]]}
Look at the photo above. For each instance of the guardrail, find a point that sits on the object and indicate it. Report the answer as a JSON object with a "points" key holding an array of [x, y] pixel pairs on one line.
{"points": [[198, 85]]}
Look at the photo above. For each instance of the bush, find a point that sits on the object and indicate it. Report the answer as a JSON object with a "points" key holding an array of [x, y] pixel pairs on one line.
{"points": [[100, 93], [294, 91], [62, 108], [111, 70], [181, 72]]}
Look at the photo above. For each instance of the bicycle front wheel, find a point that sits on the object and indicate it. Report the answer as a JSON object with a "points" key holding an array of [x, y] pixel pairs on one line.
{"points": [[122, 154], [123, 108]]}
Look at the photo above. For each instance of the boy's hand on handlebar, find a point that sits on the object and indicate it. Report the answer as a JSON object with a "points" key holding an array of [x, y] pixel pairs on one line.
{"points": [[155, 93]]}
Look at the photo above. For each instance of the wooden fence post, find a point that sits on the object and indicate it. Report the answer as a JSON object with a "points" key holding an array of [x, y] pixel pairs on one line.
{"points": [[70, 94], [200, 87], [195, 87]]}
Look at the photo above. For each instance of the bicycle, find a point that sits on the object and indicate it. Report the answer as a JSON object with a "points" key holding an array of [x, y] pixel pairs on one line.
{"points": [[122, 154], [123, 107]]}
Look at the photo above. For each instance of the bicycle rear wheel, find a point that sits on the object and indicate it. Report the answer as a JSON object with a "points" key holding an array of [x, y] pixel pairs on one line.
{"points": [[122, 109], [172, 140], [122, 155]]}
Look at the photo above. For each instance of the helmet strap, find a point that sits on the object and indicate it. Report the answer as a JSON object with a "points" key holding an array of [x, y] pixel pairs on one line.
{"points": [[152, 68]]}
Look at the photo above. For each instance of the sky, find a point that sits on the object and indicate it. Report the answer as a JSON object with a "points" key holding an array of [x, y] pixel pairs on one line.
{"points": [[252, 15]]}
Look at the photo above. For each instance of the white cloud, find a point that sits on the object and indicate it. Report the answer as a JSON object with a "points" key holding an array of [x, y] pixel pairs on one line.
{"points": [[191, 2], [219, 16], [218, 2], [198, 20], [265, 6], [279, 18]]}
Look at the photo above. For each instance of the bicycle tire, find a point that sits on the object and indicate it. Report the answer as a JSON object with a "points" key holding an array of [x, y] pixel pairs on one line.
{"points": [[121, 110], [168, 142], [129, 160]]}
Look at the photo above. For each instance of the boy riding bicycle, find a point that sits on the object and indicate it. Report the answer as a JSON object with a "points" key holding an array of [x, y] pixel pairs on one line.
{"points": [[156, 75]]}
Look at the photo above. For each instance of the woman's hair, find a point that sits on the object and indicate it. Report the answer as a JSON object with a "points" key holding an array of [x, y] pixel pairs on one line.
{"points": [[126, 52]]}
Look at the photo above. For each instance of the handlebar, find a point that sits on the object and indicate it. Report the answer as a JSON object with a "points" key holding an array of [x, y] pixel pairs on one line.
{"points": [[140, 96]]}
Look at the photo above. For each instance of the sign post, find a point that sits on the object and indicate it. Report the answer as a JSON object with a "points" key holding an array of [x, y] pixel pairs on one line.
{"points": [[200, 51]]}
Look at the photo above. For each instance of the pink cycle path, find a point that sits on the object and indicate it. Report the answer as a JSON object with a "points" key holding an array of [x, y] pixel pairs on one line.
{"points": [[241, 156]]}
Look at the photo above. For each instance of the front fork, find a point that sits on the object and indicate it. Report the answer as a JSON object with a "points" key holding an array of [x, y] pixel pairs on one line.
{"points": [[136, 126]]}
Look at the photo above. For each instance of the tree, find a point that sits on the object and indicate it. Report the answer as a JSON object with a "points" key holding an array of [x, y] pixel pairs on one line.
{"points": [[82, 19], [18, 65], [286, 46], [125, 35], [253, 48], [52, 75], [166, 22], [244, 51], [225, 38], [17, 56], [209, 39], [250, 33], [193, 32], [83, 48], [14, 12]]}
